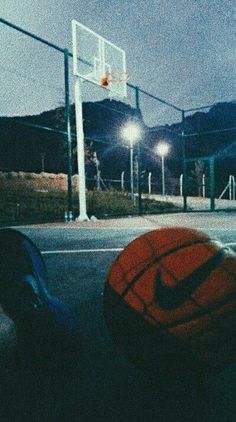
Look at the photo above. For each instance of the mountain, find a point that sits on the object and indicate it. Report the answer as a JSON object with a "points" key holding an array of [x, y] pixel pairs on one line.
{"points": [[25, 140], [210, 133], [220, 117]]}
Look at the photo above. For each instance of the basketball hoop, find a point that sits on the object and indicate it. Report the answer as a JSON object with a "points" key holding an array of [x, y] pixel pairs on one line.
{"points": [[114, 77]]}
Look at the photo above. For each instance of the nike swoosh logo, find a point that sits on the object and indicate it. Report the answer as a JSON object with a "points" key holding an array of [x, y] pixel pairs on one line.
{"points": [[170, 298]]}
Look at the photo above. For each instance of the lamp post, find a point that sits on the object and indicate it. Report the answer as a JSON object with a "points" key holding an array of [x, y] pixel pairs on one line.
{"points": [[131, 133], [162, 150]]}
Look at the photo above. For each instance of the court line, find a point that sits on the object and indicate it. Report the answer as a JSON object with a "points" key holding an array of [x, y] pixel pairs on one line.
{"points": [[78, 251], [88, 228], [71, 251], [143, 228]]}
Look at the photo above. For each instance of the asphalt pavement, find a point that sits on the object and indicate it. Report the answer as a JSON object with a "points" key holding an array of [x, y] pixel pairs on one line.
{"points": [[103, 386]]}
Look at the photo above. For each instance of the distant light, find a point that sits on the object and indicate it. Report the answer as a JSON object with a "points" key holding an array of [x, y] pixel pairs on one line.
{"points": [[131, 132], [162, 149]]}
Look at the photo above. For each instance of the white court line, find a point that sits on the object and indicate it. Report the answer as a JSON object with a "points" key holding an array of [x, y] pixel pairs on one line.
{"points": [[78, 251], [151, 227], [81, 251], [87, 228]]}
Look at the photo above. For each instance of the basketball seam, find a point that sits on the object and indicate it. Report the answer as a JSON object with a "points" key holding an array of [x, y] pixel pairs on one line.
{"points": [[187, 285], [145, 239], [203, 311], [158, 259]]}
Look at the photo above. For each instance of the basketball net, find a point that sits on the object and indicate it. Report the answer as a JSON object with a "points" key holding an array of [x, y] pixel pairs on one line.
{"points": [[113, 77], [111, 80]]}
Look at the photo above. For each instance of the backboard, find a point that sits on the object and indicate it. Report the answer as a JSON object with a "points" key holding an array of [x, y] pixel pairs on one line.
{"points": [[95, 58]]}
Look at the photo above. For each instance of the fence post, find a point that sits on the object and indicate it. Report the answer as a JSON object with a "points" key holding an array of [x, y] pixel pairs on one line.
{"points": [[184, 164], [98, 180], [122, 181], [203, 185], [212, 182], [234, 187], [98, 172], [181, 185], [68, 130], [231, 188], [149, 183]]}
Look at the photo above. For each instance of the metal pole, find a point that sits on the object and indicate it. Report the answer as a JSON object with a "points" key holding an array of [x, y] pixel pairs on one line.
{"points": [[80, 151], [139, 181], [98, 173], [68, 130], [181, 185], [212, 182], [203, 185], [233, 187], [163, 174], [149, 183], [132, 170], [137, 101], [230, 188], [122, 180], [30, 34], [98, 180], [184, 163]]}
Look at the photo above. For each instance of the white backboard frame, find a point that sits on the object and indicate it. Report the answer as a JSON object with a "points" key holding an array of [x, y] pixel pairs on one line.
{"points": [[106, 58]]}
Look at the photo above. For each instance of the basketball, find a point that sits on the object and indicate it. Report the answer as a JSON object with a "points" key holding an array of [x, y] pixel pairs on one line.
{"points": [[170, 302]]}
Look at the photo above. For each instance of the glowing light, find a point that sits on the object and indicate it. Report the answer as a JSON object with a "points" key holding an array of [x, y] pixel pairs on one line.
{"points": [[162, 149], [131, 132]]}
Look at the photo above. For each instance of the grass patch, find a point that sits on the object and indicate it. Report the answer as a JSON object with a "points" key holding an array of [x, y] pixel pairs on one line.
{"points": [[114, 203], [24, 205], [109, 203]]}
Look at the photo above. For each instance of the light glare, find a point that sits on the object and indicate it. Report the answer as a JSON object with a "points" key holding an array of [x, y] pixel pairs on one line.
{"points": [[131, 132], [162, 149]]}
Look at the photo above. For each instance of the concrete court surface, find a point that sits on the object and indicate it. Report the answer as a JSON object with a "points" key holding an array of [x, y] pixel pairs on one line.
{"points": [[104, 386]]}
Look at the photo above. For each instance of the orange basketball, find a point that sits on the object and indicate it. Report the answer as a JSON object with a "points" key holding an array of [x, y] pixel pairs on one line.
{"points": [[170, 302]]}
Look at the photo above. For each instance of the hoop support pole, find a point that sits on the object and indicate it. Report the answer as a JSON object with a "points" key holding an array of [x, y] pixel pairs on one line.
{"points": [[80, 151]]}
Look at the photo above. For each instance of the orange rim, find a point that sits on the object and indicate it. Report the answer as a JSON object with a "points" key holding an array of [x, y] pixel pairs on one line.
{"points": [[108, 78]]}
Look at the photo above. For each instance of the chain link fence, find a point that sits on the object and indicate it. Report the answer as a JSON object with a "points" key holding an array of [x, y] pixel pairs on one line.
{"points": [[38, 160]]}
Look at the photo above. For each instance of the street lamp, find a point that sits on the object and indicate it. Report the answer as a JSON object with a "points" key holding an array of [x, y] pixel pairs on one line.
{"points": [[131, 133], [162, 149]]}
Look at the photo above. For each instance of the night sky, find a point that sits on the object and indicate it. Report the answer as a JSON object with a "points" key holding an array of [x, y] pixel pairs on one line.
{"points": [[180, 50]]}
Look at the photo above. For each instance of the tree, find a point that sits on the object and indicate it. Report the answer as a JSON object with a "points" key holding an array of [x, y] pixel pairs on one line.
{"points": [[197, 175]]}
